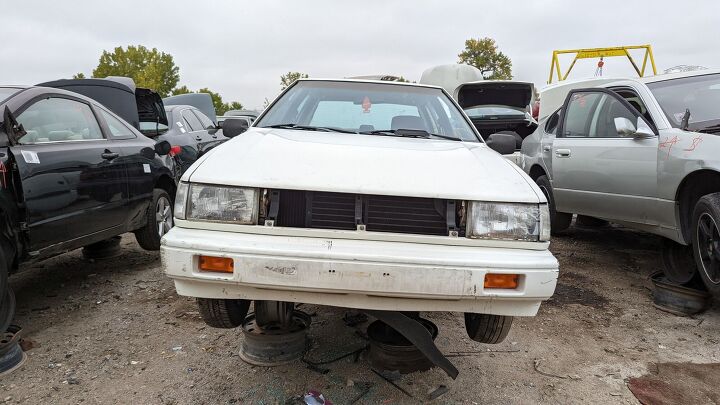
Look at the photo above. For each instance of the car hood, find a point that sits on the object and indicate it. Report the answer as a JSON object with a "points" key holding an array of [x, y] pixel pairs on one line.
{"points": [[348, 163]]}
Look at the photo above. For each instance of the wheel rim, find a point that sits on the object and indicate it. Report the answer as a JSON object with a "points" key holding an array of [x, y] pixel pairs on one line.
{"points": [[163, 216], [708, 247]]}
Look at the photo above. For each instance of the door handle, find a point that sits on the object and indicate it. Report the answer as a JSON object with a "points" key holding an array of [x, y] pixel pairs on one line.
{"points": [[547, 148], [562, 153], [197, 138], [108, 155]]}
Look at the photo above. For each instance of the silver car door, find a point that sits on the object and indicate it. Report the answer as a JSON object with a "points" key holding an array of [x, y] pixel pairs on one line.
{"points": [[601, 167]]}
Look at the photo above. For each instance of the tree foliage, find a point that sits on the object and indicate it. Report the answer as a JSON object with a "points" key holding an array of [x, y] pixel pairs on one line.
{"points": [[289, 78], [149, 68], [80, 75], [483, 53]]}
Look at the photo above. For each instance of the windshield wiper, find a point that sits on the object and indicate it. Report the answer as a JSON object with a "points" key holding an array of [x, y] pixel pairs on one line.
{"points": [[310, 128], [685, 122], [409, 133]]}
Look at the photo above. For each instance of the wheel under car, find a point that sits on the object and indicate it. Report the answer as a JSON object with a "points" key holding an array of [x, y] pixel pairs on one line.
{"points": [[221, 313], [486, 328], [706, 241], [559, 221]]}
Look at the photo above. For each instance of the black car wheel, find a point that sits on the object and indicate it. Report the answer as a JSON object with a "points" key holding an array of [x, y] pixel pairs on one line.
{"points": [[559, 221], [159, 221], [706, 240], [220, 313], [485, 328]]}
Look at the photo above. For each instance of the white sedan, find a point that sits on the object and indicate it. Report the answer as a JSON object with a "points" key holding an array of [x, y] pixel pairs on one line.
{"points": [[367, 195]]}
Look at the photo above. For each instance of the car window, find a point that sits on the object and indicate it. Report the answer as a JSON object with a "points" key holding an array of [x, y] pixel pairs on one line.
{"points": [[58, 120], [204, 120], [192, 121], [346, 114], [552, 123], [579, 114], [117, 128], [699, 94], [603, 123]]}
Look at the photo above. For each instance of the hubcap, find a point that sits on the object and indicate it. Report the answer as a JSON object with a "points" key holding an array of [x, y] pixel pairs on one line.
{"points": [[163, 216], [708, 245]]}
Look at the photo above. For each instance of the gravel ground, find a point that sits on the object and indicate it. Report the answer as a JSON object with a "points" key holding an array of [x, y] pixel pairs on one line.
{"points": [[114, 331]]}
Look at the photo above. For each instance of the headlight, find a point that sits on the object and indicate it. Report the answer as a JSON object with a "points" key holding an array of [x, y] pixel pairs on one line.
{"points": [[508, 221], [235, 205], [181, 200]]}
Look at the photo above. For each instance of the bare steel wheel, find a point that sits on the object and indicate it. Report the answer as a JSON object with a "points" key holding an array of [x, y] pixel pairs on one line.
{"points": [[706, 240]]}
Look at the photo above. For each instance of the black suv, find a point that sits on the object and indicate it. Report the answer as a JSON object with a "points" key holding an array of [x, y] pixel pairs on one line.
{"points": [[74, 174]]}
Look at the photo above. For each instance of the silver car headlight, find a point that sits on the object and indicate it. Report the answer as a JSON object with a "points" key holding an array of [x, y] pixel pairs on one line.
{"points": [[237, 205], [508, 221]]}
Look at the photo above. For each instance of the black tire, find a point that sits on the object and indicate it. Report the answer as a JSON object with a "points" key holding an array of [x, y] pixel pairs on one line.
{"points": [[220, 313], [679, 264], [590, 222], [706, 242], [559, 221], [485, 328], [148, 237]]}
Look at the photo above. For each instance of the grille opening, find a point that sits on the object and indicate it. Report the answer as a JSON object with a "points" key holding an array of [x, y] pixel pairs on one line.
{"points": [[378, 213]]}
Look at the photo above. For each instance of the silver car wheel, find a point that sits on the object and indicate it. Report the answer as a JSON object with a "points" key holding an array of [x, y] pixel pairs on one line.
{"points": [[708, 246], [163, 216]]}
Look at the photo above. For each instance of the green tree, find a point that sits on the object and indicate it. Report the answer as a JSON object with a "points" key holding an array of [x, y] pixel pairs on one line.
{"points": [[149, 68], [234, 105], [181, 90], [483, 54], [289, 78], [80, 75]]}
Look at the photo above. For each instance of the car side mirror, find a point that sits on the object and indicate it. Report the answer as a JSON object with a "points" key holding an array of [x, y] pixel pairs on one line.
{"points": [[626, 128], [162, 148], [212, 130], [232, 127], [503, 144]]}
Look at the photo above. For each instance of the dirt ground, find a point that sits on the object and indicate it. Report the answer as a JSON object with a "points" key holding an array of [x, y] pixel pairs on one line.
{"points": [[114, 331]]}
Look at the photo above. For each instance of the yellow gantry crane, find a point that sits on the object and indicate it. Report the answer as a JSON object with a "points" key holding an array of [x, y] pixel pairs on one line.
{"points": [[601, 53]]}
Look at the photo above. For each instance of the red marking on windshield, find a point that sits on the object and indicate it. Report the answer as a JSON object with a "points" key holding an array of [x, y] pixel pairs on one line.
{"points": [[366, 104]]}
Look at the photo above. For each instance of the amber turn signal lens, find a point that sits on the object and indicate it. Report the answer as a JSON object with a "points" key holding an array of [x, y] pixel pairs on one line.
{"points": [[507, 281], [217, 264]]}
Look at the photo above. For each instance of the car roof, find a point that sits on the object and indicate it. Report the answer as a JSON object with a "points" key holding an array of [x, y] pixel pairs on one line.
{"points": [[389, 83], [678, 75]]}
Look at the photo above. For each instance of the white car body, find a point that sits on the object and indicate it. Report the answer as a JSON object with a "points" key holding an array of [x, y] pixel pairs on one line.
{"points": [[358, 268]]}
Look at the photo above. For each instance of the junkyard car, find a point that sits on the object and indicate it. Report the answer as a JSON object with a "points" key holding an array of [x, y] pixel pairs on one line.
{"points": [[73, 174], [642, 153], [359, 194], [186, 121]]}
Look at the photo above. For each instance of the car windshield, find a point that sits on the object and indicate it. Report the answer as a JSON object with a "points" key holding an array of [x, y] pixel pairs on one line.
{"points": [[6, 92], [493, 111], [369, 108], [699, 94]]}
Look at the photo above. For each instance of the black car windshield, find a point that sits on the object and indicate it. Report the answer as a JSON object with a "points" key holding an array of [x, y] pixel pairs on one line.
{"points": [[368, 108], [699, 94], [6, 92]]}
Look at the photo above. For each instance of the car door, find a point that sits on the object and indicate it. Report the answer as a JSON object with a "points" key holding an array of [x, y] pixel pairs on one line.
{"points": [[598, 171], [215, 134], [73, 184], [197, 131]]}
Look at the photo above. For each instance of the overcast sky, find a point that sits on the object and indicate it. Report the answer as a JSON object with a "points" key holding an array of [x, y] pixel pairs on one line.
{"points": [[240, 49]]}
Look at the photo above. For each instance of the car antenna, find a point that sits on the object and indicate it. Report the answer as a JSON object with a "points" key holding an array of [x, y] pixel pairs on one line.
{"points": [[685, 120]]}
